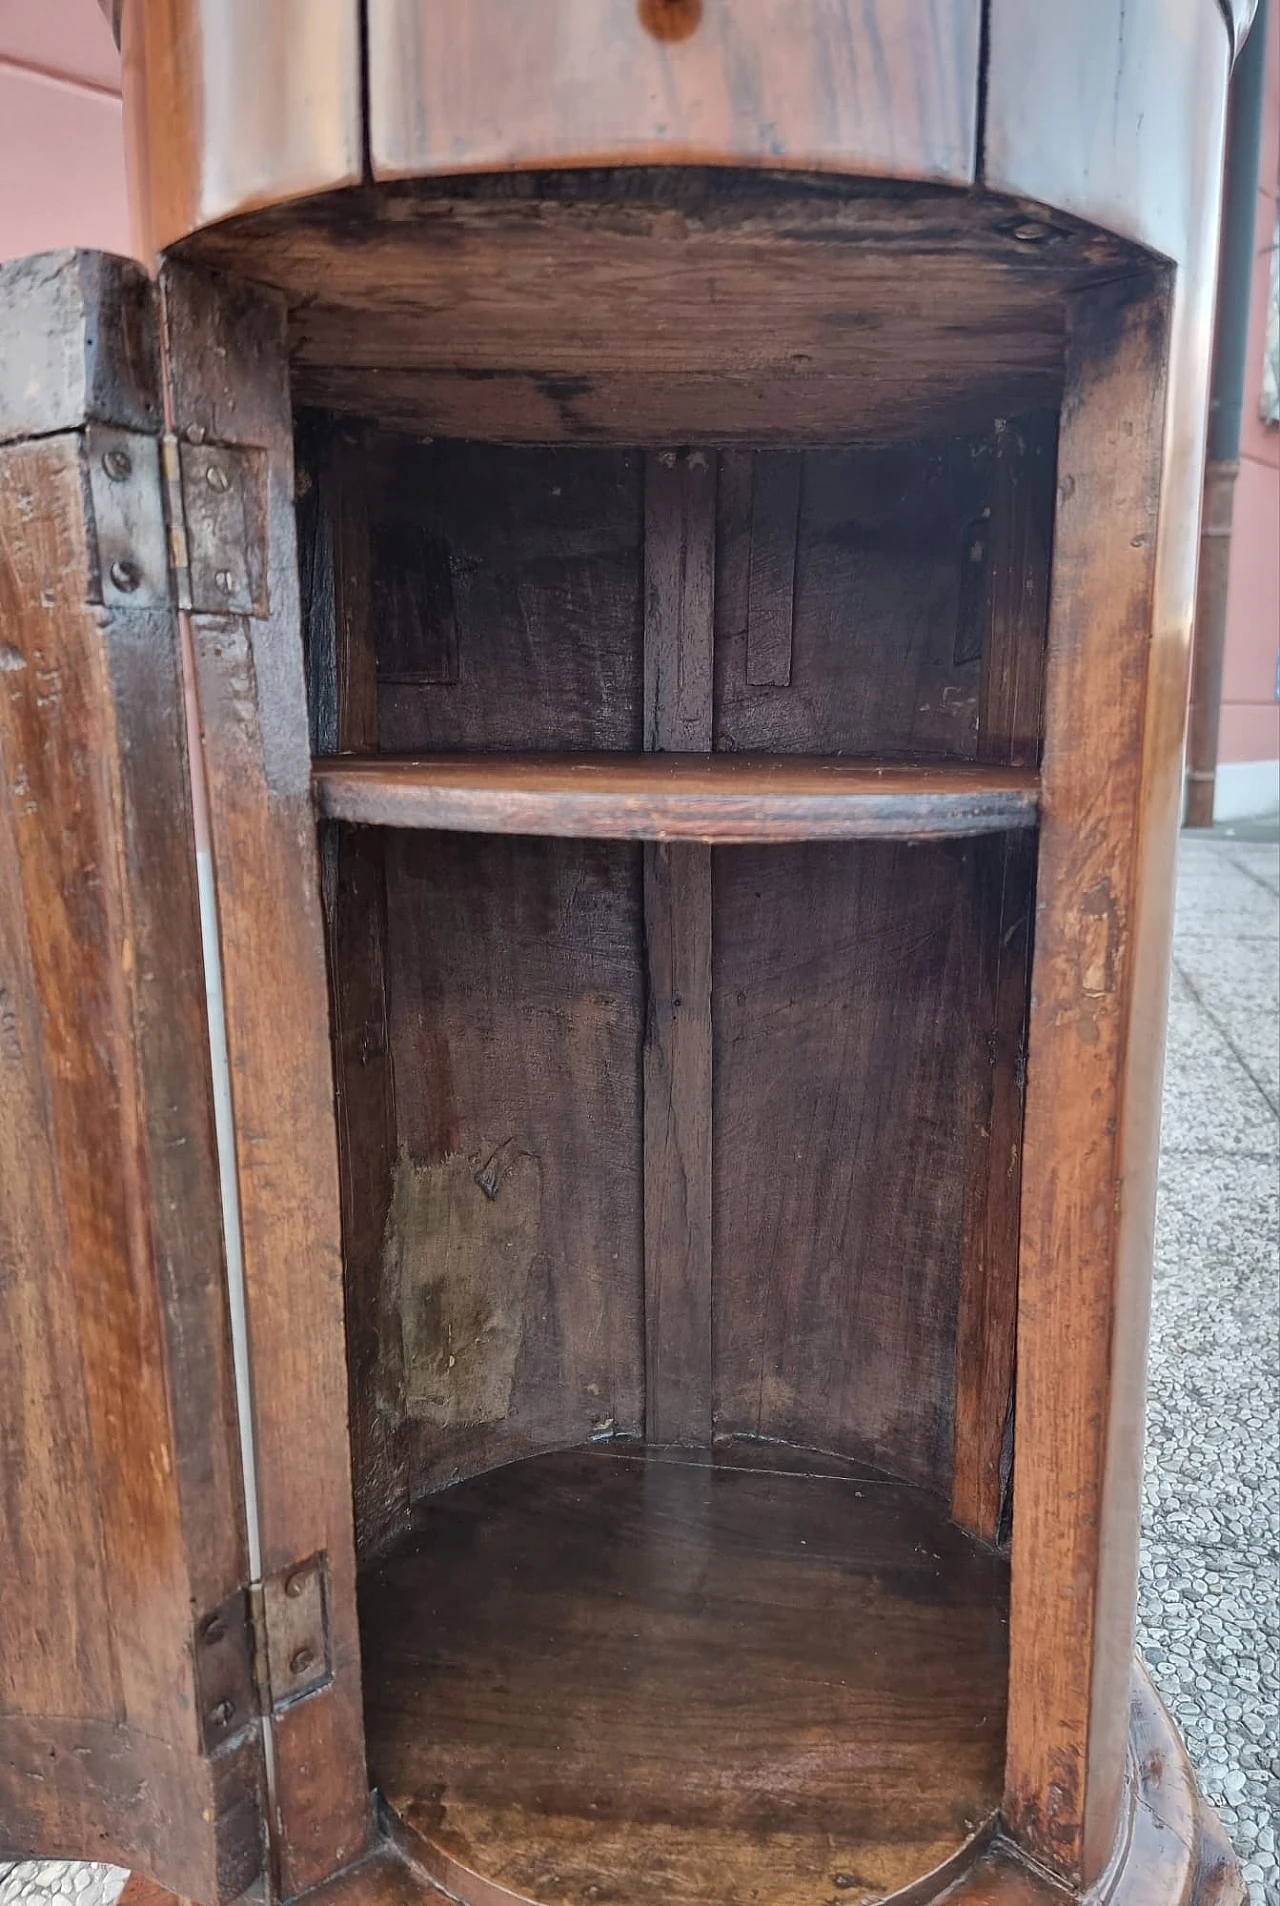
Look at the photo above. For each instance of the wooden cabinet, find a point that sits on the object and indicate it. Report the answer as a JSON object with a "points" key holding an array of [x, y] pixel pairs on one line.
{"points": [[590, 717]]}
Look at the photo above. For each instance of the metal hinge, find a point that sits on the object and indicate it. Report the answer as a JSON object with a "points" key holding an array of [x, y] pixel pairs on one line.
{"points": [[264, 1648], [224, 514], [178, 520], [217, 509], [291, 1626], [132, 570], [179, 563]]}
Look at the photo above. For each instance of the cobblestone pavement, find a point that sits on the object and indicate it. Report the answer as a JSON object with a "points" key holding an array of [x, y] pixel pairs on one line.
{"points": [[1209, 1596], [1209, 1608]]}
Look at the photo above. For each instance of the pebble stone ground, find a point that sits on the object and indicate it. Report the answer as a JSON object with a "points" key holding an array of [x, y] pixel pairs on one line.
{"points": [[1209, 1593], [1209, 1608]]}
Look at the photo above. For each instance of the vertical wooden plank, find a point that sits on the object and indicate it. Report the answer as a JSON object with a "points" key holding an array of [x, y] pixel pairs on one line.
{"points": [[1015, 617], [228, 386], [338, 629], [775, 520], [1083, 1297], [986, 1317], [1017, 605], [734, 470], [677, 1143], [679, 593], [680, 520]]}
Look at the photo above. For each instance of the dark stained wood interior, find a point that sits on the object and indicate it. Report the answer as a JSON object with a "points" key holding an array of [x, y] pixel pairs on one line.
{"points": [[578, 1201], [682, 1681], [850, 1053], [512, 1282], [669, 305], [678, 954]]}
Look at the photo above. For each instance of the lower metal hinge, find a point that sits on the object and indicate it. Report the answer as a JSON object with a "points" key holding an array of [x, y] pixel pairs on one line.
{"points": [[264, 1648], [292, 1653]]}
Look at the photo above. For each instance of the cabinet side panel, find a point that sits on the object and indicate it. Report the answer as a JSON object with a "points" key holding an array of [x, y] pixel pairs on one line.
{"points": [[1077, 1398], [339, 634], [885, 88]]}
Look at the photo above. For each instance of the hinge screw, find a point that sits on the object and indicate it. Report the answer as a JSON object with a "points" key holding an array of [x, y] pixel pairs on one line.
{"points": [[221, 1714], [223, 580], [295, 1584], [194, 433], [215, 1630], [300, 1662], [216, 477], [118, 464], [126, 575]]}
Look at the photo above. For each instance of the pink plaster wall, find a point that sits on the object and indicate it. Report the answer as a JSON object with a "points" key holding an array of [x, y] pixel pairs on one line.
{"points": [[62, 176], [1250, 726]]}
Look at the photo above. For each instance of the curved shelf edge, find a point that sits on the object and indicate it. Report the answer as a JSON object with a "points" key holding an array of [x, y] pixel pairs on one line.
{"points": [[723, 799]]}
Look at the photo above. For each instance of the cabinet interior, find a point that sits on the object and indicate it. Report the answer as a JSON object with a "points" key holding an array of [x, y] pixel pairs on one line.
{"points": [[680, 1145], [679, 1177]]}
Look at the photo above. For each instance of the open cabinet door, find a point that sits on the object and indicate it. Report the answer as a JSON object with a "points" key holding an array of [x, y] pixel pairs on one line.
{"points": [[130, 1723]]}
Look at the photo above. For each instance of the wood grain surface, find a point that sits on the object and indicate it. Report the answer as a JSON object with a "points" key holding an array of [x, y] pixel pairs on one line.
{"points": [[878, 88], [512, 1305], [607, 1675], [722, 798], [1080, 1302], [679, 646], [229, 106], [80, 345], [336, 571], [666, 306], [847, 1050], [120, 1516], [1016, 543], [228, 386], [1175, 1855]]}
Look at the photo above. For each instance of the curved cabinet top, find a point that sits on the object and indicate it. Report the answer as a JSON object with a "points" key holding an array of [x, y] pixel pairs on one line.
{"points": [[237, 104], [232, 104], [883, 87]]}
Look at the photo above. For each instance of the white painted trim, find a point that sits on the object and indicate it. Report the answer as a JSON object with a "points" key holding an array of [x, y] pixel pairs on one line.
{"points": [[1246, 790]]}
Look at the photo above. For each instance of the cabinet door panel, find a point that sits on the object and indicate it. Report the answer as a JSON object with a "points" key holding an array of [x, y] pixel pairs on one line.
{"points": [[128, 1725]]}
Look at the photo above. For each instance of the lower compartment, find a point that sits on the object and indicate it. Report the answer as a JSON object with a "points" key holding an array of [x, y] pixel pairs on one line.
{"points": [[753, 1677]]}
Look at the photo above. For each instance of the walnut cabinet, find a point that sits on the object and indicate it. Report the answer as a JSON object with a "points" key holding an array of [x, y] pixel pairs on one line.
{"points": [[591, 688]]}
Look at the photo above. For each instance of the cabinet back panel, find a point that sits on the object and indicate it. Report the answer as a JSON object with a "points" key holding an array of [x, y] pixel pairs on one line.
{"points": [[536, 557], [884, 608], [507, 593], [849, 1061], [512, 1284]]}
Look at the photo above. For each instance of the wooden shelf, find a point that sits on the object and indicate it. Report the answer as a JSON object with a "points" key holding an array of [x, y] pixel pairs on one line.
{"points": [[662, 1679], [721, 798]]}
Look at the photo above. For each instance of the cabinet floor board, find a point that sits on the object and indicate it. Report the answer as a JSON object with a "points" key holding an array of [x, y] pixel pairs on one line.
{"points": [[605, 1674]]}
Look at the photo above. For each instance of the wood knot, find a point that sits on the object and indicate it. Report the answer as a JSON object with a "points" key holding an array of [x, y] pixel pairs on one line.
{"points": [[670, 19]]}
